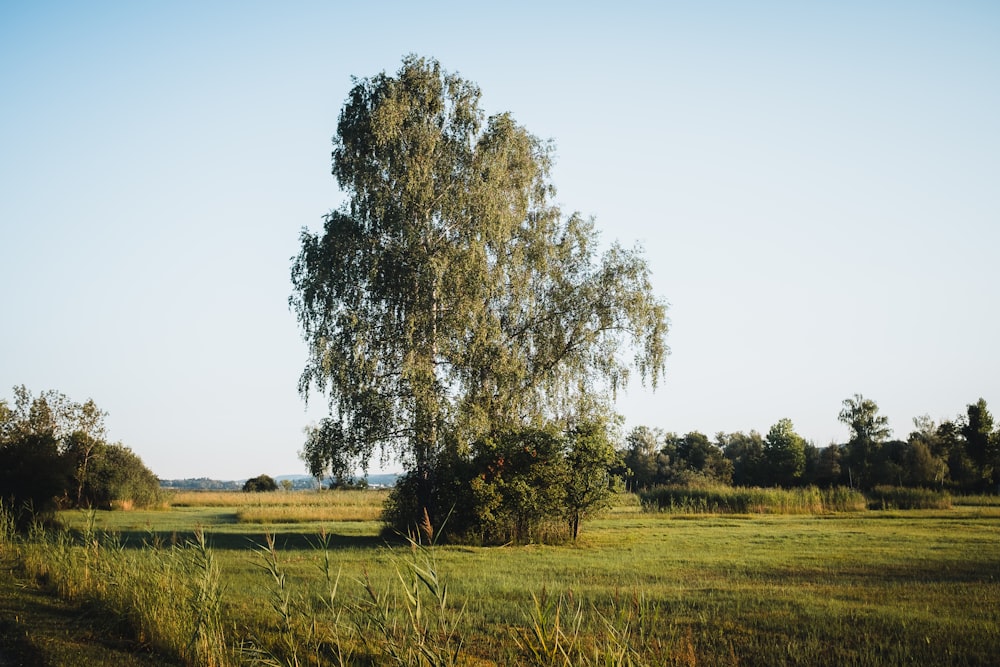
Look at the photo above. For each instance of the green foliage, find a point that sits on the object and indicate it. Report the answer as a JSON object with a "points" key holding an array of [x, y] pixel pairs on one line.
{"points": [[511, 489], [744, 500], [961, 456], [903, 498], [694, 457], [449, 300], [33, 475], [589, 484], [53, 453], [117, 478], [642, 459], [785, 454], [982, 443], [520, 484], [868, 431], [517, 485], [260, 484], [746, 452]]}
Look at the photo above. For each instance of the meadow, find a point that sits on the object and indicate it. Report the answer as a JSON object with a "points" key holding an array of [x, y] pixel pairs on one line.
{"points": [[308, 578]]}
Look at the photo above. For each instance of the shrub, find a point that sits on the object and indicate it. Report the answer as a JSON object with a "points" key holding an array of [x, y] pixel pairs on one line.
{"points": [[259, 484]]}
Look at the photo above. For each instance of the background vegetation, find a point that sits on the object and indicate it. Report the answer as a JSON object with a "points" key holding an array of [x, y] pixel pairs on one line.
{"points": [[960, 456], [53, 453]]}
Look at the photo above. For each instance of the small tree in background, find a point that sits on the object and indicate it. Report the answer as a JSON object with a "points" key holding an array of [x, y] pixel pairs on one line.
{"points": [[643, 461], [982, 444], [785, 454], [589, 484], [746, 451], [869, 430], [259, 484]]}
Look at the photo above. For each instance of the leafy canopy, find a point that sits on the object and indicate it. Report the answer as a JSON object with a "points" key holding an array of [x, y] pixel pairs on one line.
{"points": [[449, 297]]}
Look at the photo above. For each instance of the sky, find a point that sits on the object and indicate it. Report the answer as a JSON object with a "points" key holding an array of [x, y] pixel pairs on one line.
{"points": [[815, 186]]}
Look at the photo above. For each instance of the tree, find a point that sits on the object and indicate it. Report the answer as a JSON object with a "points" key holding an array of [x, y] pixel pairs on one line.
{"points": [[448, 298], [589, 483], [928, 454], [117, 477], [53, 453], [868, 430], [962, 471], [785, 454], [644, 463], [260, 484], [328, 453], [828, 472], [84, 444], [981, 443], [34, 474], [695, 458], [746, 451]]}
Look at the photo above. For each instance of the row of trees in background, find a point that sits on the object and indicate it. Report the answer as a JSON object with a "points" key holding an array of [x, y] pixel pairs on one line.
{"points": [[961, 455], [54, 453]]}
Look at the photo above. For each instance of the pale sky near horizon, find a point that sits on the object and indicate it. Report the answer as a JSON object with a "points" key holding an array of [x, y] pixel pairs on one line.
{"points": [[815, 186]]}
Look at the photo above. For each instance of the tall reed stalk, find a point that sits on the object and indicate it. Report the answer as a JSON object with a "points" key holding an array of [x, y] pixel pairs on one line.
{"points": [[415, 626]]}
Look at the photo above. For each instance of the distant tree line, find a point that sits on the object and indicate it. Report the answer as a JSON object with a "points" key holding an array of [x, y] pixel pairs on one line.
{"points": [[54, 454], [960, 455], [209, 484], [201, 484]]}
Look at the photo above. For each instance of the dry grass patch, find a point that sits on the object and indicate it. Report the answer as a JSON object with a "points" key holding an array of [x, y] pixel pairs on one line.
{"points": [[308, 513], [353, 498]]}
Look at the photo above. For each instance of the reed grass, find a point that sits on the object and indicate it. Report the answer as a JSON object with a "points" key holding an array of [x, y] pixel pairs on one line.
{"points": [[981, 500], [907, 498], [167, 598], [751, 500]]}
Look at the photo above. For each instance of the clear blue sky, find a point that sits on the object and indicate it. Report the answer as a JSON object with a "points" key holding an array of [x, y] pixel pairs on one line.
{"points": [[815, 185]]}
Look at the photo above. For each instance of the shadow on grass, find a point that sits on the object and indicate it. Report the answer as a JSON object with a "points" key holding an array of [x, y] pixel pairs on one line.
{"points": [[285, 541]]}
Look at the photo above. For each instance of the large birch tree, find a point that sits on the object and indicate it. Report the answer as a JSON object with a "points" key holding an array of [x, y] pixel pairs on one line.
{"points": [[449, 296]]}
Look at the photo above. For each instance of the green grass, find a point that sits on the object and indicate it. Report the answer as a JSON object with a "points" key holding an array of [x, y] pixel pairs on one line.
{"points": [[863, 588]]}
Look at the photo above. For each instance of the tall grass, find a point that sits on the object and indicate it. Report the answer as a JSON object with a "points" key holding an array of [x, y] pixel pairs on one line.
{"points": [[167, 598], [301, 499], [742, 500], [8, 527], [905, 498], [981, 500]]}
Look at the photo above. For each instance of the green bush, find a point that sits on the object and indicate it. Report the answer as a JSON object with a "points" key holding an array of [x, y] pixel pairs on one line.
{"points": [[259, 484]]}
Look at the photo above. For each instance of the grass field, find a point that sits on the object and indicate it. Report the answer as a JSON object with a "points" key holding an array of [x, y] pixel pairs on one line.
{"points": [[297, 587]]}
